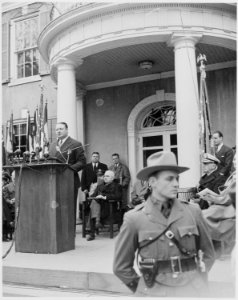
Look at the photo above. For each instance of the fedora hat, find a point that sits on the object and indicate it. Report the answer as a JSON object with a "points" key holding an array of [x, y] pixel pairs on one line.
{"points": [[208, 159], [160, 161]]}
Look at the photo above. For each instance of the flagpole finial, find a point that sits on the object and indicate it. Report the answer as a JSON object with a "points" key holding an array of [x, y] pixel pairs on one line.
{"points": [[202, 59]]}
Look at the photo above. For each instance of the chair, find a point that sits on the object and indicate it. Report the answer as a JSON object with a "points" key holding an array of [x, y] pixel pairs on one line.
{"points": [[115, 216], [186, 194]]}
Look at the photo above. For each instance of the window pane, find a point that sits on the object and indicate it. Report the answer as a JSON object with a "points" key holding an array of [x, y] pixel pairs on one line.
{"points": [[28, 70], [16, 129], [162, 116], [147, 153], [35, 54], [28, 56], [34, 30], [19, 38], [23, 140], [20, 58], [15, 145], [23, 128], [35, 68], [27, 34], [173, 139], [175, 151], [20, 71], [151, 141]]}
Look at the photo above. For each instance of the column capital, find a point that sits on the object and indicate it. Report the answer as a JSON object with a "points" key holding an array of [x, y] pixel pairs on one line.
{"points": [[80, 92], [183, 40], [64, 63]]}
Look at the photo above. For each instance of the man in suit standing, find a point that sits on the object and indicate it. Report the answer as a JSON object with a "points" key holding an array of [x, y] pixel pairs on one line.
{"points": [[69, 151], [223, 153], [122, 176], [89, 173]]}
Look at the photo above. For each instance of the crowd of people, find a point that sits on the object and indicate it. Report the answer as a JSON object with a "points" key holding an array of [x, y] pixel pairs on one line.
{"points": [[162, 230]]}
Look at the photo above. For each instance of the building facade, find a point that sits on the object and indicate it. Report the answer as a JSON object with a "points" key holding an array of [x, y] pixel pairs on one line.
{"points": [[124, 76]]}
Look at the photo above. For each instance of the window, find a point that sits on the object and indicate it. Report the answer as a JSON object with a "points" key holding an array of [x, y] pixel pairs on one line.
{"points": [[162, 116], [27, 54], [19, 129], [19, 141]]}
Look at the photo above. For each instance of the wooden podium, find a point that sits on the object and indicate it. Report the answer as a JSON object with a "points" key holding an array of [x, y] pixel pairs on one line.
{"points": [[46, 208]]}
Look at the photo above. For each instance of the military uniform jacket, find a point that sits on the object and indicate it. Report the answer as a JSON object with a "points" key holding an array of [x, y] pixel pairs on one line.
{"points": [[225, 155], [76, 159], [146, 222]]}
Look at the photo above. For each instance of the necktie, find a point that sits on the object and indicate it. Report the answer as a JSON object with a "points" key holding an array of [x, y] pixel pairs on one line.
{"points": [[59, 142], [166, 208]]}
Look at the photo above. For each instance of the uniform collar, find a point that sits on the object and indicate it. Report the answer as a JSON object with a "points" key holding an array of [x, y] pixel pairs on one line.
{"points": [[152, 209]]}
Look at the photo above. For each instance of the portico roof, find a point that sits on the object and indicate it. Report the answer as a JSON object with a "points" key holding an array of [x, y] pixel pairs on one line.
{"points": [[107, 41]]}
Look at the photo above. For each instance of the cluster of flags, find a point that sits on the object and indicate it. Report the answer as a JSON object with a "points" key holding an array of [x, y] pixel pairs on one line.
{"points": [[205, 119], [36, 132]]}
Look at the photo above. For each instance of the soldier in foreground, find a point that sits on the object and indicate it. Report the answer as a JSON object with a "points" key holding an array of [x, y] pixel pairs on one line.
{"points": [[170, 237]]}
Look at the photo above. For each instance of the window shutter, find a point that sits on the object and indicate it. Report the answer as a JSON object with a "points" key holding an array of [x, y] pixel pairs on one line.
{"points": [[44, 19], [5, 52]]}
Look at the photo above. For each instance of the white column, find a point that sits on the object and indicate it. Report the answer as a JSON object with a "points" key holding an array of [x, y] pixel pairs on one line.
{"points": [[66, 95], [187, 108], [80, 115]]}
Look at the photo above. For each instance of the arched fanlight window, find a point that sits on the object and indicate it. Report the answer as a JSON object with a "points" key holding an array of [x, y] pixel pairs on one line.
{"points": [[162, 116]]}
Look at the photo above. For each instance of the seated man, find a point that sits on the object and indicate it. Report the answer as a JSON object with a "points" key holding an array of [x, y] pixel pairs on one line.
{"points": [[99, 208], [139, 193], [221, 214], [212, 179]]}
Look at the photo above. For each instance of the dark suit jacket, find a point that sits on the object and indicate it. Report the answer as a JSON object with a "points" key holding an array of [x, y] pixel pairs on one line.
{"points": [[225, 155], [113, 191], [90, 176], [76, 158]]}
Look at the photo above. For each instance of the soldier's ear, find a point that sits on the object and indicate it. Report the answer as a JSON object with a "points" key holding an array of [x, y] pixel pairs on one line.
{"points": [[151, 181]]}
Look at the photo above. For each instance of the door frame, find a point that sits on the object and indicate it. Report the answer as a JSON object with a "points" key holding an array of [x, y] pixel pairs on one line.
{"points": [[134, 121]]}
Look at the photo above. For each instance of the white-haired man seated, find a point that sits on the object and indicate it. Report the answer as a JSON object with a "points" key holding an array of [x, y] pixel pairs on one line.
{"points": [[99, 208]]}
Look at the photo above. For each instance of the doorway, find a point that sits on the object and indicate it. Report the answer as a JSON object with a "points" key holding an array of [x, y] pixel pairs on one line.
{"points": [[151, 128]]}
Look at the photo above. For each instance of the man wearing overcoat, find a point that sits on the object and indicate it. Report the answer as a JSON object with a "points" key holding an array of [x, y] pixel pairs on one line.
{"points": [[171, 238], [122, 176]]}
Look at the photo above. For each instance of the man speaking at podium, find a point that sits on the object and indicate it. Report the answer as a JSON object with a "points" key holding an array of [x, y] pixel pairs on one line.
{"points": [[68, 151]]}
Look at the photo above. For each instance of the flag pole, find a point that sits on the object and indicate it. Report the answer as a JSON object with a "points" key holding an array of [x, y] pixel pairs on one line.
{"points": [[200, 59], [204, 111]]}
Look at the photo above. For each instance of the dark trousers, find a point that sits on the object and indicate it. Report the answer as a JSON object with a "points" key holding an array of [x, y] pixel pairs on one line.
{"points": [[92, 227], [75, 206]]}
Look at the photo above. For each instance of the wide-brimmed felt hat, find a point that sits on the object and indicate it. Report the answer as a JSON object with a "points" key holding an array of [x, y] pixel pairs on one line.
{"points": [[209, 158], [160, 161]]}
